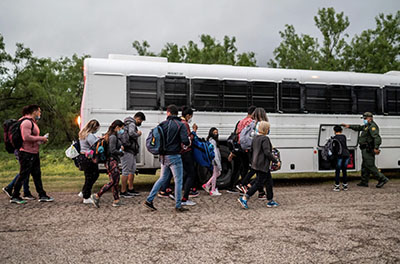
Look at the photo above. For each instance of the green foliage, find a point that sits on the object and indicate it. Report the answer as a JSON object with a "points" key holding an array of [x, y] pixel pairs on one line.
{"points": [[211, 52]]}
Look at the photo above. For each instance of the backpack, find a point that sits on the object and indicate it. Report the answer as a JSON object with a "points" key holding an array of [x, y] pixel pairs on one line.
{"points": [[12, 134], [233, 141], [327, 150], [246, 136], [155, 141], [129, 142], [203, 152], [98, 152], [277, 155]]}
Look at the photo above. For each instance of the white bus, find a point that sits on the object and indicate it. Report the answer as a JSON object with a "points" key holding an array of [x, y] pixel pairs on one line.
{"points": [[302, 105]]}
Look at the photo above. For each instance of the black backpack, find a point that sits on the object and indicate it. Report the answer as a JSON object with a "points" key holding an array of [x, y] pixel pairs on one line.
{"points": [[99, 151], [233, 140], [12, 134]]}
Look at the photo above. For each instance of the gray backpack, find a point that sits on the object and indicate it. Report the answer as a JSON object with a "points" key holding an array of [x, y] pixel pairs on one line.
{"points": [[246, 136]]}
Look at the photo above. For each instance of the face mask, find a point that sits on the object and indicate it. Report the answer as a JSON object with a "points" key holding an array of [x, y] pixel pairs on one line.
{"points": [[268, 132], [37, 117], [189, 121], [365, 122], [121, 131]]}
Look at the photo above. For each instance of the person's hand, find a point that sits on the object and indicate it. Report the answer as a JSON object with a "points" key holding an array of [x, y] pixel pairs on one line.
{"points": [[44, 140], [231, 156], [122, 148], [195, 127], [139, 133], [279, 164], [377, 151], [345, 125]]}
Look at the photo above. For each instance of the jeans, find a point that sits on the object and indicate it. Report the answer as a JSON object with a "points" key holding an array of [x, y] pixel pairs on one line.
{"points": [[188, 172], [29, 165], [341, 164], [262, 177], [25, 185], [169, 164]]}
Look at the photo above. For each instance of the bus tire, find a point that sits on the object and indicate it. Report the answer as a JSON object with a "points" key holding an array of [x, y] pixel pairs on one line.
{"points": [[224, 179]]}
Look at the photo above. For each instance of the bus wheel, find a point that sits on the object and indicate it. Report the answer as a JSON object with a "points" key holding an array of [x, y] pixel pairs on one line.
{"points": [[227, 167]]}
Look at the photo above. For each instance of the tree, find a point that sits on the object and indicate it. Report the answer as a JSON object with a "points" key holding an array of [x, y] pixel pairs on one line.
{"points": [[142, 48]]}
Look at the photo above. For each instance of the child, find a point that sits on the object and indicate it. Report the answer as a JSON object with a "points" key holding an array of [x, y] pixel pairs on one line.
{"points": [[115, 150], [217, 167], [342, 155], [261, 158]]}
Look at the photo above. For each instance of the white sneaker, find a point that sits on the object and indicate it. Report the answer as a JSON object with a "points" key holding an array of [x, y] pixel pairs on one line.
{"points": [[188, 202], [80, 194], [87, 201], [215, 193]]}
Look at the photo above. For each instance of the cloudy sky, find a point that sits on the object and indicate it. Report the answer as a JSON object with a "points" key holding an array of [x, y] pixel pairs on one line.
{"points": [[54, 28]]}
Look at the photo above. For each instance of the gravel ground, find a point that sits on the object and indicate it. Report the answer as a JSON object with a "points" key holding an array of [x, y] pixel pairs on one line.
{"points": [[312, 225]]}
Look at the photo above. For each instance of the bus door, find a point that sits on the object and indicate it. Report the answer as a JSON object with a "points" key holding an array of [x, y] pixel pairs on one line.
{"points": [[325, 132]]}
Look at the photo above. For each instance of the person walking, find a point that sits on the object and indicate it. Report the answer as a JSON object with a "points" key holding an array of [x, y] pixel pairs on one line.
{"points": [[261, 159], [115, 150], [369, 141], [217, 167], [28, 154], [342, 156], [87, 138], [175, 134], [130, 141]]}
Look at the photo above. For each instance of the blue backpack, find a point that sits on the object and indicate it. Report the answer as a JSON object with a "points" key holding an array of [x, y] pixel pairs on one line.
{"points": [[203, 152], [155, 141]]}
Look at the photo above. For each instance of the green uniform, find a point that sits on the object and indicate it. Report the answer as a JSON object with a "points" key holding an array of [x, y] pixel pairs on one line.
{"points": [[369, 140]]}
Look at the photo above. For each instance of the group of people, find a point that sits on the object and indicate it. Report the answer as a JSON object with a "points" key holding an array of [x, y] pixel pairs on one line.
{"points": [[253, 158]]}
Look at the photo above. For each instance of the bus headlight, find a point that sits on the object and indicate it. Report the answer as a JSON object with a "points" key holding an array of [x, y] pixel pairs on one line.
{"points": [[78, 121]]}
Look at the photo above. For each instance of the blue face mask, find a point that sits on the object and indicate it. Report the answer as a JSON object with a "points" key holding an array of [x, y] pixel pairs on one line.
{"points": [[37, 118], [121, 131], [365, 122]]}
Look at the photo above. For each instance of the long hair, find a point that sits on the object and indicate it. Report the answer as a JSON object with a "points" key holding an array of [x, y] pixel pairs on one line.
{"points": [[260, 115], [110, 131], [90, 127], [211, 135]]}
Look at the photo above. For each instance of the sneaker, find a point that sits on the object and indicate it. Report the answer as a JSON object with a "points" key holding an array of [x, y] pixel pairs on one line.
{"points": [[336, 188], [117, 204], [241, 188], [381, 183], [243, 203], [126, 195], [17, 200], [8, 192], [46, 199], [193, 193], [272, 203], [95, 200], [262, 196], [171, 196], [345, 187], [204, 186], [87, 201], [215, 193], [232, 191], [362, 184], [28, 197], [133, 192], [80, 194], [181, 209], [149, 205], [188, 202], [163, 194]]}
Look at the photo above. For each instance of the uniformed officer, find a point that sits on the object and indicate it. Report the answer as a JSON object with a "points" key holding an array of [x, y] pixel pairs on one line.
{"points": [[369, 141]]}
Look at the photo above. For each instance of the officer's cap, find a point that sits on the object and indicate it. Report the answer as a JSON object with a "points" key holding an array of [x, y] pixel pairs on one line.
{"points": [[367, 114]]}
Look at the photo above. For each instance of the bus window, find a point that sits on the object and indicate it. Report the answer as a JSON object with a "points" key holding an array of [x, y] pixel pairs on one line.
{"points": [[207, 94], [290, 97], [317, 98], [176, 92], [235, 97], [392, 100], [341, 100], [264, 94], [142, 93], [366, 99]]}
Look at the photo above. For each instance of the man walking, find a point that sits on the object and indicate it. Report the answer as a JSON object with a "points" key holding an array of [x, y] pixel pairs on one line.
{"points": [[130, 142], [171, 162], [369, 140], [29, 154]]}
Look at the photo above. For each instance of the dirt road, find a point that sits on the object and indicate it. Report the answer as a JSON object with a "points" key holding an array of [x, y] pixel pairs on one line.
{"points": [[312, 225]]}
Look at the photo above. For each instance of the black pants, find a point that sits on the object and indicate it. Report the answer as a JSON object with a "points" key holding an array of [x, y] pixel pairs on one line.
{"points": [[261, 179], [241, 166], [188, 173], [29, 165], [91, 171]]}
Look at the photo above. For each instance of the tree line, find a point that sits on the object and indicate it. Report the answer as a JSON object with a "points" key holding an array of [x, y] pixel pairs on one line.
{"points": [[57, 84]]}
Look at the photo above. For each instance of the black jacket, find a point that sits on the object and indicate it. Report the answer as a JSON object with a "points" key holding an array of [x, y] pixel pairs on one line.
{"points": [[342, 141], [175, 133], [261, 153]]}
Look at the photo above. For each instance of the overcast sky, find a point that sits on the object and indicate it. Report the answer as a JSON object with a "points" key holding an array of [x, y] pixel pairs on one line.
{"points": [[55, 28]]}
